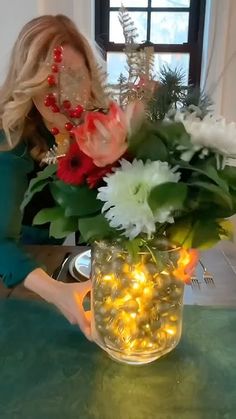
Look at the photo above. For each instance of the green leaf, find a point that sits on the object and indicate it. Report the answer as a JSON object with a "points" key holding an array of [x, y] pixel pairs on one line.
{"points": [[30, 193], [48, 215], [226, 229], [48, 172], [173, 132], [229, 175], [225, 197], [76, 200], [133, 248], [38, 183], [205, 234], [140, 135], [181, 232], [152, 148], [171, 195], [62, 227], [208, 171], [146, 143], [213, 174], [96, 228]]}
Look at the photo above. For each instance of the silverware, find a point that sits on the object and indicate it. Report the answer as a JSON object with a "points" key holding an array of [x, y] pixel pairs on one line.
{"points": [[207, 276], [57, 272], [195, 284]]}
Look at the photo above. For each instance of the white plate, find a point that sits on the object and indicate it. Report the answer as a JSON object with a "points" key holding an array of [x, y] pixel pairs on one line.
{"points": [[81, 265]]}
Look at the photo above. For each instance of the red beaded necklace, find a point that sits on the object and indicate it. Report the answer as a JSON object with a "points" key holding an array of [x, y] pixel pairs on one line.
{"points": [[75, 113]]}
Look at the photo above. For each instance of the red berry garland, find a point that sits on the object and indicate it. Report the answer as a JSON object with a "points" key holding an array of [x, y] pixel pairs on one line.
{"points": [[54, 68], [69, 126], [66, 104], [50, 100], [51, 80], [55, 131]]}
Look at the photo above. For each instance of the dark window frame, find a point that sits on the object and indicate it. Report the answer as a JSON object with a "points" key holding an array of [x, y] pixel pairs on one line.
{"points": [[193, 46]]}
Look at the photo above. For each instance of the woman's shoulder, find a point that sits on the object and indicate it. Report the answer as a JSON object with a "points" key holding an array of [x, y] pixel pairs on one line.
{"points": [[19, 153], [19, 150]]}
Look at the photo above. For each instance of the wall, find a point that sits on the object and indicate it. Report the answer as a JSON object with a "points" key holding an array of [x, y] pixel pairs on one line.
{"points": [[56, 6], [14, 14], [81, 11]]}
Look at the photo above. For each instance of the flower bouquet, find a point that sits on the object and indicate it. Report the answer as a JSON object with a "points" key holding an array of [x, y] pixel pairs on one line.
{"points": [[144, 192]]}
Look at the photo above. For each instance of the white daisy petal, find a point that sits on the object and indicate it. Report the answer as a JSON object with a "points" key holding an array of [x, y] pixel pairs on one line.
{"points": [[210, 133], [126, 196]]}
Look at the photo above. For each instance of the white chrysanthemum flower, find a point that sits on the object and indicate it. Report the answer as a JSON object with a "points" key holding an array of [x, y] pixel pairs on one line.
{"points": [[126, 196], [210, 133]]}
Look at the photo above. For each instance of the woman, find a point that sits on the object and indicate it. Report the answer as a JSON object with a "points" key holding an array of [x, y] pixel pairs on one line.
{"points": [[25, 137]]}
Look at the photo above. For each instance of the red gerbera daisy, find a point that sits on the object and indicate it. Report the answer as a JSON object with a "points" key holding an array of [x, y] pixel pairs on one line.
{"points": [[75, 166]]}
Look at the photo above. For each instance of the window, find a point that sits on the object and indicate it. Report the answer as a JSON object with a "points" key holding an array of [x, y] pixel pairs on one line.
{"points": [[173, 27]]}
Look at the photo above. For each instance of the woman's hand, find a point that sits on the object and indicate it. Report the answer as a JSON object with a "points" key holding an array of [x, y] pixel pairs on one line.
{"points": [[68, 298]]}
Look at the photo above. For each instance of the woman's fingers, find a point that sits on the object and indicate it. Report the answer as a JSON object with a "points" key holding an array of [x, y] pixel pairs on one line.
{"points": [[83, 320], [85, 287]]}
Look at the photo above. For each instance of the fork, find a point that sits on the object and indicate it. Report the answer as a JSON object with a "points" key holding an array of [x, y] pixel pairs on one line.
{"points": [[207, 276], [195, 284]]}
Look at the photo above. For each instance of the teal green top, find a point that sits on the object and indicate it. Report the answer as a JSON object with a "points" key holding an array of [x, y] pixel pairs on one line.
{"points": [[15, 168]]}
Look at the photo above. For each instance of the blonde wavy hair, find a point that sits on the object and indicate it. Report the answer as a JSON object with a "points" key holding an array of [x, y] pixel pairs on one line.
{"points": [[28, 73]]}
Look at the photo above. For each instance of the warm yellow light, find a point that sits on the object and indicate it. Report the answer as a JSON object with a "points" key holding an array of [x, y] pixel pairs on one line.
{"points": [[108, 277], [165, 273], [136, 286], [126, 268], [147, 291], [150, 345], [139, 276], [127, 297], [186, 264], [170, 331], [133, 315]]}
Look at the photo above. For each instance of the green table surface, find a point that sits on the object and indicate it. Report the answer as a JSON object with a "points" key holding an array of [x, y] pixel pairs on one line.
{"points": [[49, 370]]}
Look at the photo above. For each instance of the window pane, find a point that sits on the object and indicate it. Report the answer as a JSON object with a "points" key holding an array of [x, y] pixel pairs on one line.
{"points": [[170, 3], [116, 64], [173, 60], [129, 3], [116, 32], [169, 28]]}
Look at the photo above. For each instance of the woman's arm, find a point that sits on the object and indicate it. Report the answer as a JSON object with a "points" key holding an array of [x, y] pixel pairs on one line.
{"points": [[15, 265]]}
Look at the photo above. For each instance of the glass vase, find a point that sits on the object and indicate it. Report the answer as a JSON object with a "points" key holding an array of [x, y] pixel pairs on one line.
{"points": [[137, 303]]}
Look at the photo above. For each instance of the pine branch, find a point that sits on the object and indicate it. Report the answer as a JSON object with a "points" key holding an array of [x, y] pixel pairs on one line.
{"points": [[129, 30], [131, 46], [197, 101], [139, 65], [169, 93], [147, 62]]}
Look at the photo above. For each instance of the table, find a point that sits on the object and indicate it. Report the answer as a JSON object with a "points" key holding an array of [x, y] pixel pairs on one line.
{"points": [[50, 371], [220, 261]]}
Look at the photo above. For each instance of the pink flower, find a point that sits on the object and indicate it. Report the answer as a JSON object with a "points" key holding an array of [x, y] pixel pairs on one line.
{"points": [[103, 137]]}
